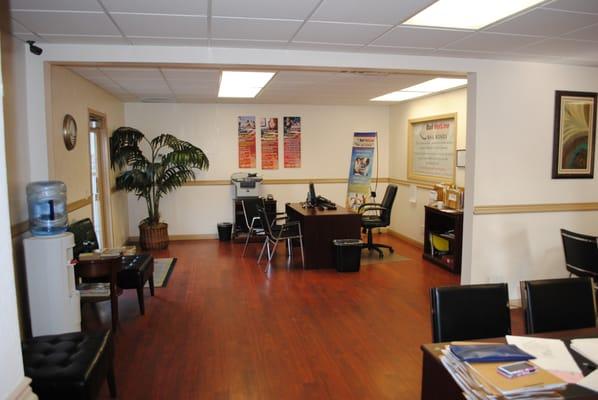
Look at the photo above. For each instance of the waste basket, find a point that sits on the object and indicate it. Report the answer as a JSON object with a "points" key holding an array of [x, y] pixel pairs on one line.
{"points": [[225, 230], [348, 254]]}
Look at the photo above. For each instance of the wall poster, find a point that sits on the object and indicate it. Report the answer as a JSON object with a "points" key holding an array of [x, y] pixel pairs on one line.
{"points": [[269, 135], [247, 142], [360, 169], [292, 142], [431, 148]]}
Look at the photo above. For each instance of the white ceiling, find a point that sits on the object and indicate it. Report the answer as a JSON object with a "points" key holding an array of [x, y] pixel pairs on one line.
{"points": [[558, 31], [188, 85]]}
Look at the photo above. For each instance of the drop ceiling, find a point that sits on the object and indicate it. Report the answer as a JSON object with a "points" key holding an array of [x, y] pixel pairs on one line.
{"points": [[164, 84], [558, 31]]}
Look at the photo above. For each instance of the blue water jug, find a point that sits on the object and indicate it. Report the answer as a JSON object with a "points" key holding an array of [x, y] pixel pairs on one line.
{"points": [[47, 208]]}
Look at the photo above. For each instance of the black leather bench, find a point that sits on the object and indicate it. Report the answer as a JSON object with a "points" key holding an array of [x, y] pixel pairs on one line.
{"points": [[136, 270], [70, 365]]}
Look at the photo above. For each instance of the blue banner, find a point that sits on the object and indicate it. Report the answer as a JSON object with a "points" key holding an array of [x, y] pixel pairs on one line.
{"points": [[360, 168]]}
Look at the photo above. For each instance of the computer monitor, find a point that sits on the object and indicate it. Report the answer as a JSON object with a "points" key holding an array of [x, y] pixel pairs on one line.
{"points": [[312, 198]]}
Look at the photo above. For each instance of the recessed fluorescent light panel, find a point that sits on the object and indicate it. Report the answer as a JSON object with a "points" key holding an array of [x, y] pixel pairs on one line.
{"points": [[422, 89], [468, 14], [243, 83]]}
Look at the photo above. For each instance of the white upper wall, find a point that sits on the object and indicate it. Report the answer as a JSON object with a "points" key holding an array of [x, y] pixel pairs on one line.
{"points": [[326, 142]]}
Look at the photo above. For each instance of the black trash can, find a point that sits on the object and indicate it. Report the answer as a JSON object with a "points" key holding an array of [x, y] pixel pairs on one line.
{"points": [[225, 230], [347, 254]]}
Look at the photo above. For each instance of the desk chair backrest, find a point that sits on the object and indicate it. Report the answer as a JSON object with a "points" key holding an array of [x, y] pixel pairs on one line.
{"points": [[250, 211], [387, 202], [85, 237], [265, 220], [470, 312], [581, 253], [558, 304]]}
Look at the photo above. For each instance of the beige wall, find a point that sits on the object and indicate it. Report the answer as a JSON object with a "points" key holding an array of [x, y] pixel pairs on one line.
{"points": [[71, 94], [408, 216]]}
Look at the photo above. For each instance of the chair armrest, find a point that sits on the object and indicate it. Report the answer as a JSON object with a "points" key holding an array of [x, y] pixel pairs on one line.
{"points": [[373, 207], [367, 204]]}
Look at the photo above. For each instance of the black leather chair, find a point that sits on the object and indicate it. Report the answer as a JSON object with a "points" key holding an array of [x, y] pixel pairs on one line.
{"points": [[289, 231], [470, 312], [581, 253], [252, 218], [377, 215], [558, 304]]}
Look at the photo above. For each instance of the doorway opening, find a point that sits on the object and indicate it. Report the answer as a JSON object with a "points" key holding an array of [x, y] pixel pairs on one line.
{"points": [[99, 193]]}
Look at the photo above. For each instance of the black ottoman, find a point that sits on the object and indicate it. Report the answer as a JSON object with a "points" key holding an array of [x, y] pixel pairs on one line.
{"points": [[135, 271], [70, 365]]}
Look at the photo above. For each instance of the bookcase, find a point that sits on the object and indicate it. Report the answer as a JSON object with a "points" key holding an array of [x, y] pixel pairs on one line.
{"points": [[443, 237]]}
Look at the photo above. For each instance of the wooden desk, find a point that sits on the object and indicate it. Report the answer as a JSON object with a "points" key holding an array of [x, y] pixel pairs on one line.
{"points": [[320, 228], [438, 384]]}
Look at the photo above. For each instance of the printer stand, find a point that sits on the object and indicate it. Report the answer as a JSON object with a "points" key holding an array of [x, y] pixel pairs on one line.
{"points": [[241, 229]]}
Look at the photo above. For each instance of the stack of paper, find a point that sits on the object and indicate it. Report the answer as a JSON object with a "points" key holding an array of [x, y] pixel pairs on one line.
{"points": [[100, 289], [482, 380], [587, 348]]}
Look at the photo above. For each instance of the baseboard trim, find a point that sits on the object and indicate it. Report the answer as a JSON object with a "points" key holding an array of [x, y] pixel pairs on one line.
{"points": [[406, 239], [23, 391], [175, 238]]}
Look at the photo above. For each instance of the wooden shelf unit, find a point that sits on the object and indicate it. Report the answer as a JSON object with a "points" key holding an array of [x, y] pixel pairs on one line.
{"points": [[440, 222]]}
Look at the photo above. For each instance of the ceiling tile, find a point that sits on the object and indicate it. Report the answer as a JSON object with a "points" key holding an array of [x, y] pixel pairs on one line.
{"points": [[251, 44], [381, 12], [197, 75], [419, 37], [335, 32], [160, 41], [495, 42], [561, 48], [253, 29], [88, 72], [146, 87], [588, 6], [66, 5], [65, 23], [194, 89], [85, 39], [285, 9], [161, 25], [589, 33], [544, 22], [131, 73], [173, 7]]}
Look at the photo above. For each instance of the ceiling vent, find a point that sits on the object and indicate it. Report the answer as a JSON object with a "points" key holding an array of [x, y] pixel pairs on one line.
{"points": [[158, 100]]}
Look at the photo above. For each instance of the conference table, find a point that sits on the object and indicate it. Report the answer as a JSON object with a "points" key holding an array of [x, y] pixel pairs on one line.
{"points": [[438, 384], [319, 228]]}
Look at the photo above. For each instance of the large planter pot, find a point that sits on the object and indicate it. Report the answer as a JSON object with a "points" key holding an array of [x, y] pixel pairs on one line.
{"points": [[152, 237]]}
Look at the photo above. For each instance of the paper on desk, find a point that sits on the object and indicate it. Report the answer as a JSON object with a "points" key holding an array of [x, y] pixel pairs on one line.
{"points": [[590, 381], [551, 354], [587, 348]]}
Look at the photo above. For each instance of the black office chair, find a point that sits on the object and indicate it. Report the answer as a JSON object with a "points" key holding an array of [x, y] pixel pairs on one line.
{"points": [[377, 215], [470, 312], [581, 254], [558, 304], [252, 218], [275, 233]]}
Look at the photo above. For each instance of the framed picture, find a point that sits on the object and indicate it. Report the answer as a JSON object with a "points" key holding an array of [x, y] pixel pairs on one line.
{"points": [[461, 158], [431, 148], [574, 135]]}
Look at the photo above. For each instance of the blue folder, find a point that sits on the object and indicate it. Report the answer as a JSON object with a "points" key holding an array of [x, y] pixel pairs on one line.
{"points": [[490, 353]]}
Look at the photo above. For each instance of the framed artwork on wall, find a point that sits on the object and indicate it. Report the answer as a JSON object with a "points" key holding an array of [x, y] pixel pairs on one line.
{"points": [[574, 135], [431, 148]]}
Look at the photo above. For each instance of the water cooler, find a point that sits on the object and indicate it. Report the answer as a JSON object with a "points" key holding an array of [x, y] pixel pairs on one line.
{"points": [[54, 302]]}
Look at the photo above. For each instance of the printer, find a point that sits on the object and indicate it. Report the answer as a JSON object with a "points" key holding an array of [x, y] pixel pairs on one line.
{"points": [[246, 184]]}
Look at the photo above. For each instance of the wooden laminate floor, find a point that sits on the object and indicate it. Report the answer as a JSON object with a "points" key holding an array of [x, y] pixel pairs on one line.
{"points": [[223, 329]]}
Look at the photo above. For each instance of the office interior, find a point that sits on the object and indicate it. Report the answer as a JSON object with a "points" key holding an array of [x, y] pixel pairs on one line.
{"points": [[513, 210]]}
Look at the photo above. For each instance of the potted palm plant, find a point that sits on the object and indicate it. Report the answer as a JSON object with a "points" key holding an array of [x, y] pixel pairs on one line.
{"points": [[170, 163]]}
